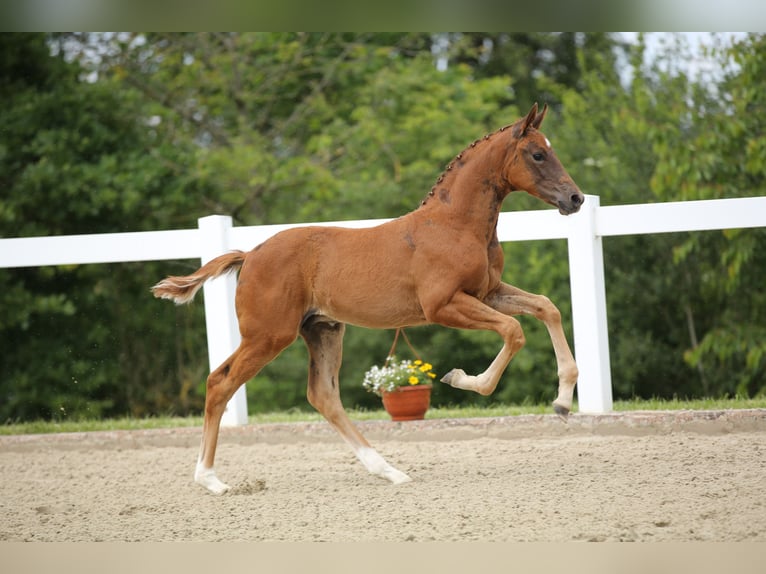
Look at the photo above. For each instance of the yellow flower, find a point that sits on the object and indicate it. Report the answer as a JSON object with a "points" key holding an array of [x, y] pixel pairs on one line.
{"points": [[432, 375], [413, 380], [426, 367], [418, 362]]}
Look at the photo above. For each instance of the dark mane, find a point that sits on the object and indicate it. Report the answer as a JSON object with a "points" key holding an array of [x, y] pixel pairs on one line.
{"points": [[459, 157]]}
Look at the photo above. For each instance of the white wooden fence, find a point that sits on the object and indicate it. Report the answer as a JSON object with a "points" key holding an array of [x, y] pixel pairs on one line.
{"points": [[583, 232]]}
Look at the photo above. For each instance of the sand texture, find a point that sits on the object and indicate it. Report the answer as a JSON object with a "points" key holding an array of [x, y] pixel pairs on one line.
{"points": [[644, 476]]}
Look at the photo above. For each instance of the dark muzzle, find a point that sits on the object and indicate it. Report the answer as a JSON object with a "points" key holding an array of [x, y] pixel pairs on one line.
{"points": [[572, 205]]}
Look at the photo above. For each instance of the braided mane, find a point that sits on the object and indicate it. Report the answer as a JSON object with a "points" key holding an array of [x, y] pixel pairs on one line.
{"points": [[458, 157]]}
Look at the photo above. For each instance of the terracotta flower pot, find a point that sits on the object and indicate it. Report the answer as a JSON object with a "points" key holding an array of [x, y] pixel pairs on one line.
{"points": [[407, 403]]}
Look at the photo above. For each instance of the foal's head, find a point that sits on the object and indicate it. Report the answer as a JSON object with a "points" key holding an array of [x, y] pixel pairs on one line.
{"points": [[532, 166]]}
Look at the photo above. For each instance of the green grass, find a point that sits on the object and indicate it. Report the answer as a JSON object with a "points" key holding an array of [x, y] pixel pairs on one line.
{"points": [[44, 427]]}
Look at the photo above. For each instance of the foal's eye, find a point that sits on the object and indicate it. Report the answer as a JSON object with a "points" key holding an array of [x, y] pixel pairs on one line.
{"points": [[538, 156]]}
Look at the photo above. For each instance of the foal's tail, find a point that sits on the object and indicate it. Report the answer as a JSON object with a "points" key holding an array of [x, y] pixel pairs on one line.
{"points": [[182, 289]]}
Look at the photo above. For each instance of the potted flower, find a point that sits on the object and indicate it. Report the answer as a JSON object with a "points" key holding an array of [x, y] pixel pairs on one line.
{"points": [[405, 387]]}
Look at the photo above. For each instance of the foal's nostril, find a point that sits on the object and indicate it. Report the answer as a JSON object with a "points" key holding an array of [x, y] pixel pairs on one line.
{"points": [[577, 199]]}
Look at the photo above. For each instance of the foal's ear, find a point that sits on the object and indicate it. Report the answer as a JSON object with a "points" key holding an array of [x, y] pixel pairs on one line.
{"points": [[529, 120], [540, 117]]}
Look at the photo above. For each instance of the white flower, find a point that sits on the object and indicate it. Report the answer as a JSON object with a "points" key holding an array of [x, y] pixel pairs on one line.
{"points": [[395, 374]]}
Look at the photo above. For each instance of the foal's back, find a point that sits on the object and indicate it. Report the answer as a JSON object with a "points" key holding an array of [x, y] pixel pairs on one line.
{"points": [[335, 272]]}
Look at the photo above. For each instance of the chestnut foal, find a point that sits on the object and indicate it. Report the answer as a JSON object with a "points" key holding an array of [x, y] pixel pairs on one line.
{"points": [[438, 264]]}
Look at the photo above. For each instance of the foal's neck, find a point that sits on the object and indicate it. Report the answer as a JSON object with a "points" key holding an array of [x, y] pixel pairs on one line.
{"points": [[470, 192]]}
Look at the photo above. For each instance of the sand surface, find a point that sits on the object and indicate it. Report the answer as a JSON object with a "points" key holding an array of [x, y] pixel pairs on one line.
{"points": [[645, 476]]}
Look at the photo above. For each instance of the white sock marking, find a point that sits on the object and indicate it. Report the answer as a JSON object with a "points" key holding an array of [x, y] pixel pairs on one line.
{"points": [[377, 465], [206, 477]]}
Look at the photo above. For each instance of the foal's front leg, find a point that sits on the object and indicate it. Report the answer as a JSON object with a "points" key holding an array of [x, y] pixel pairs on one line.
{"points": [[511, 300], [466, 312]]}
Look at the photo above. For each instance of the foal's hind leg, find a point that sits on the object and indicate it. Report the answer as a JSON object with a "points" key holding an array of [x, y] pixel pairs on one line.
{"points": [[222, 383], [511, 300], [324, 339]]}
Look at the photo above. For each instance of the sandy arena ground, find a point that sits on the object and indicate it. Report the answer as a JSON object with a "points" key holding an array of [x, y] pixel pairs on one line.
{"points": [[645, 476]]}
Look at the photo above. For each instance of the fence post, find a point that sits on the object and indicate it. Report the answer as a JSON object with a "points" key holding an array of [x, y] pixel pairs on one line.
{"points": [[220, 316], [591, 341]]}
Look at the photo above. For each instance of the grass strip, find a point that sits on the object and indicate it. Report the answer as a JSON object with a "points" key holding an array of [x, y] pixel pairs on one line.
{"points": [[164, 422]]}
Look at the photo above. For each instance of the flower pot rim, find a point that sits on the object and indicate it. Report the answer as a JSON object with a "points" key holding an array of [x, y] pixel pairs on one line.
{"points": [[405, 388]]}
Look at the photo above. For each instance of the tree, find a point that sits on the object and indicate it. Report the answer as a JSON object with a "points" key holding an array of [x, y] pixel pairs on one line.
{"points": [[151, 131], [678, 326], [79, 157], [532, 59], [722, 155]]}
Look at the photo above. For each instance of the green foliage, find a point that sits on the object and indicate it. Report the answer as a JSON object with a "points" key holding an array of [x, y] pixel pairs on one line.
{"points": [[677, 302], [723, 157], [127, 132], [78, 157]]}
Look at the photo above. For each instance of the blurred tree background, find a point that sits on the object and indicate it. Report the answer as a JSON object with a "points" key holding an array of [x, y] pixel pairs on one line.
{"points": [[129, 132]]}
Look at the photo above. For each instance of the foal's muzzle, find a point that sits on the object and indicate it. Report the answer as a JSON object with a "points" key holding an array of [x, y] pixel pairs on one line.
{"points": [[572, 205]]}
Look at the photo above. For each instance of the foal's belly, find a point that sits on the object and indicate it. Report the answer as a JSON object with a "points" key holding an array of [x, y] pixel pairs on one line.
{"points": [[377, 311]]}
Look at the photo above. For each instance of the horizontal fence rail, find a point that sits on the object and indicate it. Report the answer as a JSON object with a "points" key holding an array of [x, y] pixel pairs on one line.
{"points": [[583, 232], [100, 248]]}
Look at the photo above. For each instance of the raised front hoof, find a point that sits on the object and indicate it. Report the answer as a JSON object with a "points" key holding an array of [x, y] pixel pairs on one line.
{"points": [[452, 376], [562, 411]]}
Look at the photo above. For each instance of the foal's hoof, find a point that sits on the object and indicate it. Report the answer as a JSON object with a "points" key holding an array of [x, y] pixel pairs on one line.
{"points": [[563, 412], [207, 479], [451, 375], [396, 476]]}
